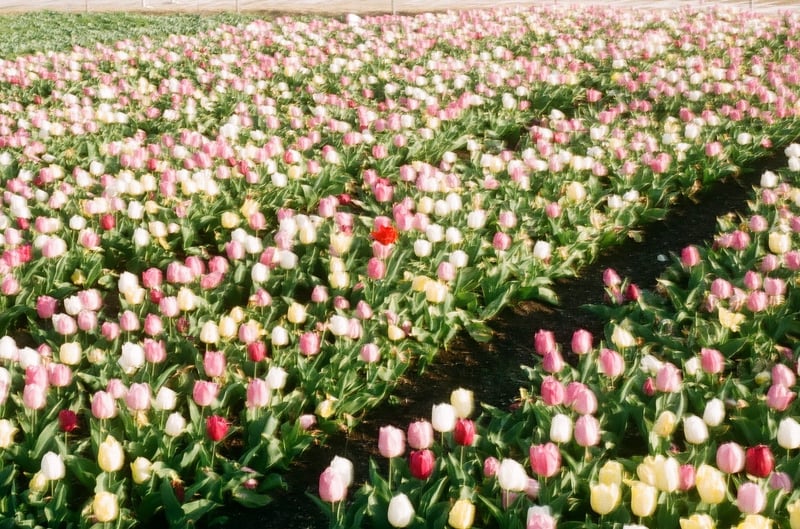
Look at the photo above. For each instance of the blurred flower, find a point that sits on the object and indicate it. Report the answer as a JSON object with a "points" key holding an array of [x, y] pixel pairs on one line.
{"points": [[401, 511], [462, 514], [105, 507]]}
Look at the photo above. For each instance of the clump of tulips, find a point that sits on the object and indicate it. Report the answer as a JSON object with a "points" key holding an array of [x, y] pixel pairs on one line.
{"points": [[688, 424], [218, 248]]}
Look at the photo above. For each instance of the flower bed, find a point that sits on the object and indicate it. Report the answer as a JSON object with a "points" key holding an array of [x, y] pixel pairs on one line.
{"points": [[219, 248], [682, 415]]}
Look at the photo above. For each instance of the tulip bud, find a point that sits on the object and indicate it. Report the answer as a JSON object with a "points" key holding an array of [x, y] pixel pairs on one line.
{"points": [[53, 466], [141, 470], [462, 514], [401, 511], [332, 486], [110, 456], [105, 507], [462, 401], [604, 498], [511, 475], [443, 417], [391, 441]]}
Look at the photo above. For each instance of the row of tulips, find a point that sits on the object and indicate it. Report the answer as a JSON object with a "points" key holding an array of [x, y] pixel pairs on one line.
{"points": [[219, 248], [683, 415]]}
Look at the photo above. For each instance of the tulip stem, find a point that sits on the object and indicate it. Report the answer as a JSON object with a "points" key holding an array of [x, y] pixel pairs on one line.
{"points": [[213, 453], [391, 459]]}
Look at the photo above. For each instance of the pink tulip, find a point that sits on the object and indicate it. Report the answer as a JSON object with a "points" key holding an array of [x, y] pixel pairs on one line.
{"points": [[214, 363], [552, 391], [46, 307], [110, 330], [103, 405], [721, 288], [686, 475], [501, 241], [730, 457], [370, 353], [168, 306], [152, 278], [668, 378], [420, 435], [711, 361], [587, 431], [153, 325], [581, 342], [59, 375], [552, 361], [757, 301], [36, 375], [611, 363], [545, 459], [258, 394], [34, 396], [544, 341], [138, 397], [391, 441], [490, 466], [64, 324], [690, 256], [309, 343], [332, 487], [204, 392], [779, 397], [782, 374], [376, 268], [750, 498]]}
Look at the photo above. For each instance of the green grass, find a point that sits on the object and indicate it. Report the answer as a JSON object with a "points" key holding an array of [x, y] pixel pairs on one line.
{"points": [[27, 33]]}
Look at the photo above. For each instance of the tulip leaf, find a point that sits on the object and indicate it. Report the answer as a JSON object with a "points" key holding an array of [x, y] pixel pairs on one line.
{"points": [[172, 507], [250, 499]]}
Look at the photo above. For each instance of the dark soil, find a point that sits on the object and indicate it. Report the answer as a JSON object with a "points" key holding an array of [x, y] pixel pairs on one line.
{"points": [[492, 370]]}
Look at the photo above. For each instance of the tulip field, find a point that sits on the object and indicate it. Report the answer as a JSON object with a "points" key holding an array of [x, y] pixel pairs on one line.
{"points": [[223, 240]]}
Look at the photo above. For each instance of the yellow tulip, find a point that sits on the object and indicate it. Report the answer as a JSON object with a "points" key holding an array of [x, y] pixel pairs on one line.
{"points": [[755, 521], [697, 521], [105, 507], [665, 424], [794, 514], [611, 473], [604, 498], [644, 499], [230, 220], [462, 514], [141, 470], [667, 474], [110, 455], [710, 484]]}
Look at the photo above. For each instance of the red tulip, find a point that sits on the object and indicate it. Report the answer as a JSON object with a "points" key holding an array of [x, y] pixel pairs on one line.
{"points": [[385, 234], [464, 433], [420, 463], [216, 427], [759, 461], [67, 420]]}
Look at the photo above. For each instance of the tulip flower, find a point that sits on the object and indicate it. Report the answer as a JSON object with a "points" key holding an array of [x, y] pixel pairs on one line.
{"points": [[52, 467], [391, 441], [789, 433], [462, 514], [644, 499], [539, 517], [462, 401], [710, 484], [464, 432], [421, 463], [443, 418], [697, 521], [730, 457], [759, 461], [511, 475], [7, 433], [141, 470], [420, 435], [545, 459], [332, 487], [400, 512], [105, 507], [604, 498], [750, 498], [110, 455], [217, 428]]}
